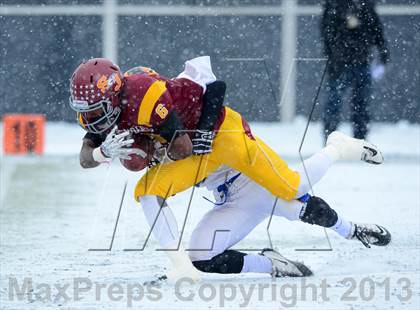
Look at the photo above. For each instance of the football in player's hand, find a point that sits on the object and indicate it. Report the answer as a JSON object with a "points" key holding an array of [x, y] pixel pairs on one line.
{"points": [[139, 161]]}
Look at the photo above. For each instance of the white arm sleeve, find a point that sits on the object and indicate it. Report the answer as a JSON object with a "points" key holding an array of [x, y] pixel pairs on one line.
{"points": [[199, 71]]}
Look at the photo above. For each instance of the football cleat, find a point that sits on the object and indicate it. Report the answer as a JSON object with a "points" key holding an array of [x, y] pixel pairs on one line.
{"points": [[355, 149], [371, 234], [283, 267]]}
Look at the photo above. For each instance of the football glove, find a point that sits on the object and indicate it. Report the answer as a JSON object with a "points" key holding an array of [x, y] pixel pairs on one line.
{"points": [[116, 146], [202, 142], [378, 71]]}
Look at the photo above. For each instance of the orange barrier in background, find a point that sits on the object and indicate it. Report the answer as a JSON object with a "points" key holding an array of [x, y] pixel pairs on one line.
{"points": [[23, 133]]}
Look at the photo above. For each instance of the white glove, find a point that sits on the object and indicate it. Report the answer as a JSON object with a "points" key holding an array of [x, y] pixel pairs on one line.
{"points": [[116, 146], [377, 71]]}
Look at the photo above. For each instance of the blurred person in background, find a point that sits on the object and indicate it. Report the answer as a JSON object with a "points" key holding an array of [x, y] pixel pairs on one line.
{"points": [[350, 29]]}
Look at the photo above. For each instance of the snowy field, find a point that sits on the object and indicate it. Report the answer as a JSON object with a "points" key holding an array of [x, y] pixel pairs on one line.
{"points": [[53, 212]]}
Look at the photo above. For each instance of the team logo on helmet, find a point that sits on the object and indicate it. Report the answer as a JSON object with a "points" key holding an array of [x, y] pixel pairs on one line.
{"points": [[117, 80], [104, 83]]}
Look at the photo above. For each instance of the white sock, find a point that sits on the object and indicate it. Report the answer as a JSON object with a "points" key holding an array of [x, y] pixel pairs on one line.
{"points": [[343, 227], [257, 263], [332, 152], [316, 167]]}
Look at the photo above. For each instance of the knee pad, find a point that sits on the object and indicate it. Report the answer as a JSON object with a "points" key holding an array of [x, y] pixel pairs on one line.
{"points": [[229, 261], [318, 212]]}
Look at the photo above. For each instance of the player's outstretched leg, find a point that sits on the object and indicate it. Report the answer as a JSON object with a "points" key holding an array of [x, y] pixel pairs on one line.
{"points": [[283, 267], [339, 147], [354, 149], [317, 212]]}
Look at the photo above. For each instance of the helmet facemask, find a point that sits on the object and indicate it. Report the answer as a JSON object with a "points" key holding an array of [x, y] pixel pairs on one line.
{"points": [[96, 117]]}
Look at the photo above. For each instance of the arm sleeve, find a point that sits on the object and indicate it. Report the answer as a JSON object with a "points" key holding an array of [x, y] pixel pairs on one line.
{"points": [[165, 119], [212, 105], [171, 128], [97, 139], [199, 71]]}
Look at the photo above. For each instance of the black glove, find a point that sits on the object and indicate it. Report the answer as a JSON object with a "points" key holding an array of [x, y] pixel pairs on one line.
{"points": [[202, 141]]}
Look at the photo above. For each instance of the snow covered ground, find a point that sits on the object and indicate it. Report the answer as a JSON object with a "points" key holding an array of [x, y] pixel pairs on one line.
{"points": [[53, 212]]}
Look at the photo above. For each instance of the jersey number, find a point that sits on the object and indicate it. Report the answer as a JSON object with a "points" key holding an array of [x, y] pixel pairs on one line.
{"points": [[161, 111]]}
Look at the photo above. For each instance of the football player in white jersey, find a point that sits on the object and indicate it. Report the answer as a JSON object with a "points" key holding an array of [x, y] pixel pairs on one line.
{"points": [[241, 204]]}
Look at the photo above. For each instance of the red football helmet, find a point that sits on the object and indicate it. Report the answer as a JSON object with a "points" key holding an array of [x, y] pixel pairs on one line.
{"points": [[94, 89]]}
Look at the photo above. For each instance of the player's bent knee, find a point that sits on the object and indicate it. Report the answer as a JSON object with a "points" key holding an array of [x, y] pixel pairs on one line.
{"points": [[318, 212], [229, 261]]}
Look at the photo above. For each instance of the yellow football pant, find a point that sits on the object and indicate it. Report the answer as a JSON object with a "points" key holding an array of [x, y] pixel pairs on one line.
{"points": [[232, 147]]}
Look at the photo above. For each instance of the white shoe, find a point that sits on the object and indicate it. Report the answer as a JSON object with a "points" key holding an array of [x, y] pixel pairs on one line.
{"points": [[355, 149], [283, 267], [370, 234]]}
